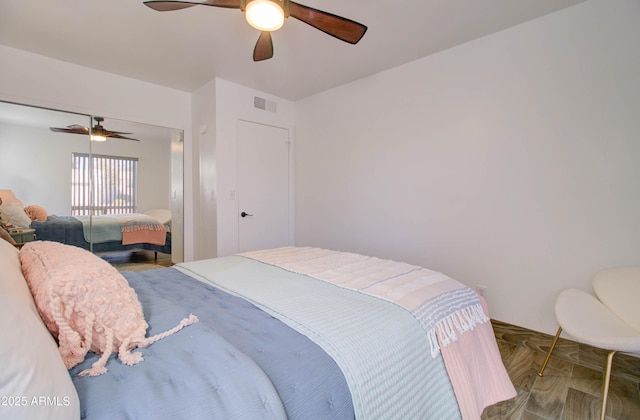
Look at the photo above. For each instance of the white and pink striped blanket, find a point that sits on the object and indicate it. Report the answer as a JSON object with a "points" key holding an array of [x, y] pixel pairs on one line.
{"points": [[451, 314]]}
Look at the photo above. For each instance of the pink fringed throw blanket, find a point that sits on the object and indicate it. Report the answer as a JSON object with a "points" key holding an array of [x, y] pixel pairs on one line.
{"points": [[450, 313], [140, 228]]}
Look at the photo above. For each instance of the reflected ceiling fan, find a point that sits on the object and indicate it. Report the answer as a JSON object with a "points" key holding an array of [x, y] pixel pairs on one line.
{"points": [[98, 132], [269, 15]]}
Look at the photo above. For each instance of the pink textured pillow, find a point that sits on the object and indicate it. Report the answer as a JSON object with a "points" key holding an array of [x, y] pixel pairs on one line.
{"points": [[36, 213], [87, 304]]}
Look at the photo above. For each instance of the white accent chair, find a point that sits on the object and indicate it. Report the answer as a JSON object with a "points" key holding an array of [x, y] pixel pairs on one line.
{"points": [[609, 320]]}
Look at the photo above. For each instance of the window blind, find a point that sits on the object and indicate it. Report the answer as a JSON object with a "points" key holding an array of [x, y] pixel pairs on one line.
{"points": [[103, 184]]}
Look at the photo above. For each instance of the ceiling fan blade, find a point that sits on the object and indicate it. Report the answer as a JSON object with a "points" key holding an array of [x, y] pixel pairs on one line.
{"points": [[110, 133], [171, 5], [264, 47], [344, 29], [79, 129], [73, 129], [118, 136]]}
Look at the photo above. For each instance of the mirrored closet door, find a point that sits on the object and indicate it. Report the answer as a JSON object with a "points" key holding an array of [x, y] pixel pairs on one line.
{"points": [[73, 168]]}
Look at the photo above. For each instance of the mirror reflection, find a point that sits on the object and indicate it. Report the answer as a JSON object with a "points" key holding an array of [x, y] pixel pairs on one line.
{"points": [[104, 184]]}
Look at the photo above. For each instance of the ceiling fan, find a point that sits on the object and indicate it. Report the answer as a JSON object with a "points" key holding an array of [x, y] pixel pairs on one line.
{"points": [[339, 27], [98, 132]]}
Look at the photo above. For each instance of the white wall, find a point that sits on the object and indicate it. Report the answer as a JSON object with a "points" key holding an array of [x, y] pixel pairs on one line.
{"points": [[512, 161], [37, 80], [37, 165]]}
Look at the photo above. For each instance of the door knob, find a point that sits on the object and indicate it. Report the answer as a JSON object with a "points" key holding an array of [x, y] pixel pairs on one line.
{"points": [[245, 214]]}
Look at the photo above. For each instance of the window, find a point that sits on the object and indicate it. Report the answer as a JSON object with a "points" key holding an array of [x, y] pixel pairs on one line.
{"points": [[114, 180]]}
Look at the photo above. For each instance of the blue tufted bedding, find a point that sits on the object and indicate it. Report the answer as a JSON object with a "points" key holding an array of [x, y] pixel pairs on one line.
{"points": [[69, 230], [238, 362]]}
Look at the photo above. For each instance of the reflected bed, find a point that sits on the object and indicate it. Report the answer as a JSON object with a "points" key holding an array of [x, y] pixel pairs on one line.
{"points": [[71, 231]]}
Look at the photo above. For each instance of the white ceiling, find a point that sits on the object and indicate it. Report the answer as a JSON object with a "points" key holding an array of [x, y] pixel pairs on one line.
{"points": [[185, 49]]}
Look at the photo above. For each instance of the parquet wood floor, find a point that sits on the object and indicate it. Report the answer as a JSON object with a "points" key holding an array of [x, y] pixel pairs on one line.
{"points": [[138, 260], [571, 387]]}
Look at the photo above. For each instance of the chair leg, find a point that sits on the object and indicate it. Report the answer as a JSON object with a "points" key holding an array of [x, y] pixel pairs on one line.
{"points": [[553, 345], [607, 377]]}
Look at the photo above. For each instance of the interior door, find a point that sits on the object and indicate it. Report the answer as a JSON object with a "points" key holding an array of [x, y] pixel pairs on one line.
{"points": [[263, 186]]}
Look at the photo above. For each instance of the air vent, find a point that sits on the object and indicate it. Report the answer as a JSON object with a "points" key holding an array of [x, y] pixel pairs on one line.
{"points": [[264, 104], [259, 103]]}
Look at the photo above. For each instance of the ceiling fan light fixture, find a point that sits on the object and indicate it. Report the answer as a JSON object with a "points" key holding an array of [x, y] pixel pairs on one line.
{"points": [[264, 15], [98, 133]]}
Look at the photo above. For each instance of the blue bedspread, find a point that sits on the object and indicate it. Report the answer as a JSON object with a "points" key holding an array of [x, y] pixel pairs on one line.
{"points": [[238, 362]]}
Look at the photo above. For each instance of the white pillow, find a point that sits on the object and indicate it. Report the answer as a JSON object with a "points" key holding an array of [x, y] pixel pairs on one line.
{"points": [[34, 384], [16, 215]]}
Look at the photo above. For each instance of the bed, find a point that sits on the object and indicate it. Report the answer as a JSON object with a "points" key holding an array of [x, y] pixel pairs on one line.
{"points": [[293, 333], [105, 232]]}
